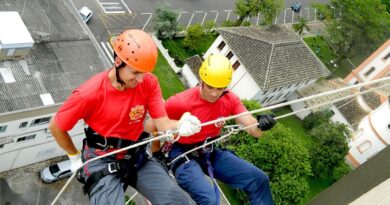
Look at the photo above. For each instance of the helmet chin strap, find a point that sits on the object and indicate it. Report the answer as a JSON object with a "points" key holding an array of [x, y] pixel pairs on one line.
{"points": [[118, 78]]}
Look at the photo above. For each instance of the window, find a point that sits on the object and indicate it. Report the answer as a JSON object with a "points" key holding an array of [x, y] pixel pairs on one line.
{"points": [[235, 65], [1, 146], [364, 146], [40, 121], [387, 56], [356, 82], [229, 55], [264, 100], [3, 128], [221, 45], [23, 124], [25, 138], [372, 69]]}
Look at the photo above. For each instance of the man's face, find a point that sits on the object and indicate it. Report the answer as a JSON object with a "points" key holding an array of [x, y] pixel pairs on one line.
{"points": [[210, 93], [130, 76]]}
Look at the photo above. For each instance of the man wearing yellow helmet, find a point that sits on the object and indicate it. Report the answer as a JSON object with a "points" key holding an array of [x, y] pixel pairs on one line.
{"points": [[210, 101]]}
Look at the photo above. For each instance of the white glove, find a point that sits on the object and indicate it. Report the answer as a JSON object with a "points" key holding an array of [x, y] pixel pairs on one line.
{"points": [[75, 161], [188, 125]]}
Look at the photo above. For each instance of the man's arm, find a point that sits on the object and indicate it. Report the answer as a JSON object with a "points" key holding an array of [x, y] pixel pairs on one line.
{"points": [[62, 138], [247, 120], [264, 122]]}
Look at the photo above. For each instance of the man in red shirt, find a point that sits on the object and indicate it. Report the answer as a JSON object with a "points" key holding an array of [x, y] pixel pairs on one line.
{"points": [[114, 104], [210, 101]]}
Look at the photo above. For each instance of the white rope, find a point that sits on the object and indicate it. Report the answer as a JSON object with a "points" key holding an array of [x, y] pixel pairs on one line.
{"points": [[296, 101], [168, 134], [232, 130]]}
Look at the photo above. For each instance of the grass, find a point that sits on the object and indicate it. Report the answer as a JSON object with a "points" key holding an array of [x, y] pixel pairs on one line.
{"points": [[295, 124], [169, 81], [177, 49], [230, 194], [316, 186], [324, 52]]}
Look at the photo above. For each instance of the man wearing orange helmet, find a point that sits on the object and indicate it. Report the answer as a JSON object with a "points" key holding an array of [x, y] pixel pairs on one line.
{"points": [[114, 104], [210, 101]]}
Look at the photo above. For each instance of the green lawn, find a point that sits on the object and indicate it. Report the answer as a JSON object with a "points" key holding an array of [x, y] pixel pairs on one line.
{"points": [[295, 124], [169, 81], [177, 50], [230, 194], [324, 52]]}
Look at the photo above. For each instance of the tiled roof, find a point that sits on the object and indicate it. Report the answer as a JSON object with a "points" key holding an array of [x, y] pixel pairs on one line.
{"points": [[194, 64], [274, 56], [352, 111], [61, 59]]}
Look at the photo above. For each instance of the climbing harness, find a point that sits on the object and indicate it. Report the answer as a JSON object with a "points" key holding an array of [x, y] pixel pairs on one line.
{"points": [[233, 129], [126, 168]]}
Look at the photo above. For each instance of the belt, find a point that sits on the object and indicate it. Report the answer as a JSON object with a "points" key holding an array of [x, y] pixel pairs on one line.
{"points": [[97, 141]]}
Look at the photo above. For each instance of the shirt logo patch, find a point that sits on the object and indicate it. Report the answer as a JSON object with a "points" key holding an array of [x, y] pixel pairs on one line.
{"points": [[220, 123], [137, 112]]}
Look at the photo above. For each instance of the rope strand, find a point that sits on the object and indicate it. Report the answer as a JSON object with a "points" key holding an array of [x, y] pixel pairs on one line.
{"points": [[234, 129]]}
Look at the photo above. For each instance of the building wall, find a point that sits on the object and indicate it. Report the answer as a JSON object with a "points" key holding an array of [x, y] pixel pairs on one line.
{"points": [[190, 77], [374, 67], [32, 143], [372, 136], [13, 53]]}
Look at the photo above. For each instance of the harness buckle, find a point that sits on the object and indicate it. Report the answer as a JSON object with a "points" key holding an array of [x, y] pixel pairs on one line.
{"points": [[208, 149], [113, 167]]}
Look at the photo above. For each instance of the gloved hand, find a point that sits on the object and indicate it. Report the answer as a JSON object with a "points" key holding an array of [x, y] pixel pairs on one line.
{"points": [[75, 161], [266, 121], [188, 125]]}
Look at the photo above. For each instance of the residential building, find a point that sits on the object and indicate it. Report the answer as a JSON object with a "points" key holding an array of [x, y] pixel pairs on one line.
{"points": [[269, 63], [32, 89], [15, 39], [376, 66]]}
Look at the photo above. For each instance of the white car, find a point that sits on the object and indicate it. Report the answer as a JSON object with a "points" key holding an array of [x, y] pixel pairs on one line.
{"points": [[85, 13], [56, 172]]}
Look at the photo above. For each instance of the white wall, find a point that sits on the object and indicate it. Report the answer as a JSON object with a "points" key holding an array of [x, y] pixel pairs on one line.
{"points": [[40, 148], [189, 76], [368, 134]]}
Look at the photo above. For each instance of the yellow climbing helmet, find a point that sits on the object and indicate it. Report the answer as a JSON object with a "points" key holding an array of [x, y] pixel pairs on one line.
{"points": [[216, 71]]}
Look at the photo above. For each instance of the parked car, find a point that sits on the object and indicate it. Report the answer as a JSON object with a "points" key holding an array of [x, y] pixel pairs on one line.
{"points": [[56, 172], [85, 13], [296, 6]]}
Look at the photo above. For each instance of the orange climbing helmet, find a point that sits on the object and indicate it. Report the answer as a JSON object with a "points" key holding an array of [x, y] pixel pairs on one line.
{"points": [[136, 49], [216, 71]]}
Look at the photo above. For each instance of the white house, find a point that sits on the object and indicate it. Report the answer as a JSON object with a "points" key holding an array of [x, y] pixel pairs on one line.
{"points": [[269, 63], [33, 88], [374, 67], [15, 39]]}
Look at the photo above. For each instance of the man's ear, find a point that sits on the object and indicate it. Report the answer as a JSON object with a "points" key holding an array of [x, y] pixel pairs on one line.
{"points": [[117, 61]]}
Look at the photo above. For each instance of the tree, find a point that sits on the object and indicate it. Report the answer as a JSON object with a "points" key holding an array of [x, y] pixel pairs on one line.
{"points": [[301, 25], [331, 149], [194, 35], [387, 4], [317, 118], [165, 21], [249, 8], [362, 25], [208, 26], [284, 159]]}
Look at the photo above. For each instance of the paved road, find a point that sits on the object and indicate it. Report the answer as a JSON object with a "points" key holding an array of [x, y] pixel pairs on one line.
{"points": [[112, 16]]}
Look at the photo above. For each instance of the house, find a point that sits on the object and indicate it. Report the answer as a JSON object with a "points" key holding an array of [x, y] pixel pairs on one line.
{"points": [[365, 115], [269, 63], [32, 89], [15, 39], [376, 66]]}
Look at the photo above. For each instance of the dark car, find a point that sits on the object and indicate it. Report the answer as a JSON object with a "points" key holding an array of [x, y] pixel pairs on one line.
{"points": [[56, 172], [296, 6]]}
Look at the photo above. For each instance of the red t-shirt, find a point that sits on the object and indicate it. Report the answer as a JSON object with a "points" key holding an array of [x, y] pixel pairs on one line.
{"points": [[191, 101], [110, 112]]}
